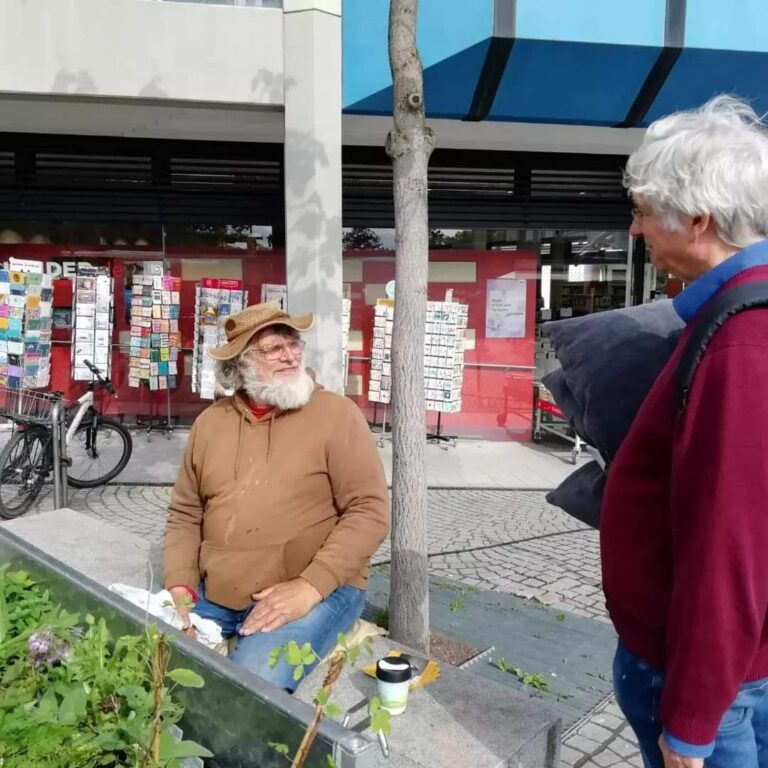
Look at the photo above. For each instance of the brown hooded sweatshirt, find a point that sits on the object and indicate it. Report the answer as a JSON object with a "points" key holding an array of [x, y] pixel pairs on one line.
{"points": [[258, 502]]}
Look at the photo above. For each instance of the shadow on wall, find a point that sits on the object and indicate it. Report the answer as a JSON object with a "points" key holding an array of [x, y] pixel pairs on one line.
{"points": [[268, 87], [316, 232], [74, 82]]}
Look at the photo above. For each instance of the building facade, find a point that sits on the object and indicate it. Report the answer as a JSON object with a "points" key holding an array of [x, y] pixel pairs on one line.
{"points": [[243, 140]]}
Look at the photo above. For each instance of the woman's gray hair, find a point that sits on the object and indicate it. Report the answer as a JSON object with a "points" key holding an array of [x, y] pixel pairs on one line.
{"points": [[711, 160]]}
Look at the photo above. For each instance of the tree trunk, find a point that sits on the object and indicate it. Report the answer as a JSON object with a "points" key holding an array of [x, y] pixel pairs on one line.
{"points": [[409, 145]]}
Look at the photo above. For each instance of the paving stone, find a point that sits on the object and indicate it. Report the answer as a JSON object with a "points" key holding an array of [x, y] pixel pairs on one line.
{"points": [[569, 756], [582, 744], [624, 748], [595, 732], [606, 758]]}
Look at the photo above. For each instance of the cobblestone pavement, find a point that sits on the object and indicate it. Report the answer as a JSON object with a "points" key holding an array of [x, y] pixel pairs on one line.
{"points": [[509, 541]]}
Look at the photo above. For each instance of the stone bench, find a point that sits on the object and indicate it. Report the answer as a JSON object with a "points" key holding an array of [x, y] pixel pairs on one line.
{"points": [[460, 720]]}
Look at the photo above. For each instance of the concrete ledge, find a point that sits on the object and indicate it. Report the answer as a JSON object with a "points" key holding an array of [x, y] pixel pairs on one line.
{"points": [[97, 549], [460, 720]]}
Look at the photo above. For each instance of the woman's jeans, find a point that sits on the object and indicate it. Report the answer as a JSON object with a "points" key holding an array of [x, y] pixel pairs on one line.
{"points": [[742, 740], [337, 613]]}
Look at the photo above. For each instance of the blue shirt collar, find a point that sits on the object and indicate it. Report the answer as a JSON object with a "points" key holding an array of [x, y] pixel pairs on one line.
{"points": [[700, 291]]}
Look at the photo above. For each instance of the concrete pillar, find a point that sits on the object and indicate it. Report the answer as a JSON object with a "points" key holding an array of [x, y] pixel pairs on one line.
{"points": [[312, 44]]}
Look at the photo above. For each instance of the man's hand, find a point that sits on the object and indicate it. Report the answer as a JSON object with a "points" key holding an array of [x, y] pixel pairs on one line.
{"points": [[673, 760], [183, 602], [277, 605]]}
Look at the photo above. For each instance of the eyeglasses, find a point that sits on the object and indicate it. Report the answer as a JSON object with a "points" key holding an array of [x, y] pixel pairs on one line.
{"points": [[295, 347]]}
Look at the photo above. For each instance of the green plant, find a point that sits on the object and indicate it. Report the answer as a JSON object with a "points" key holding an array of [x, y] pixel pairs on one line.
{"points": [[456, 605], [528, 679], [301, 657], [381, 618], [74, 696]]}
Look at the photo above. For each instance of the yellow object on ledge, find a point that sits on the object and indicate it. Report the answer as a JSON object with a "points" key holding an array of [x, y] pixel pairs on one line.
{"points": [[429, 674]]}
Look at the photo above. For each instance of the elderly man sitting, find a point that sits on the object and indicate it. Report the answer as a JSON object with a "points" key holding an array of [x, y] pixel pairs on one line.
{"points": [[280, 503]]}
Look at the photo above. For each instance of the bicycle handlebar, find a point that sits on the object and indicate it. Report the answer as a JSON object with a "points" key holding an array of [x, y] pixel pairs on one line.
{"points": [[97, 373]]}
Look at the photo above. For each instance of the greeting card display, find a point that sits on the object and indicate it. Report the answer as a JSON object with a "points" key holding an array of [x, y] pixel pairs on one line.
{"points": [[215, 300], [444, 337], [92, 324], [25, 327], [155, 337], [380, 383], [445, 331]]}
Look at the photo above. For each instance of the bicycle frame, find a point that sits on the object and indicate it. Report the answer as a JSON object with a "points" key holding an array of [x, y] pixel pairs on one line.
{"points": [[84, 404]]}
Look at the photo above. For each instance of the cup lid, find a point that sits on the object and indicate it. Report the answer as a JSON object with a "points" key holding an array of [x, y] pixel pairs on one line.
{"points": [[393, 669]]}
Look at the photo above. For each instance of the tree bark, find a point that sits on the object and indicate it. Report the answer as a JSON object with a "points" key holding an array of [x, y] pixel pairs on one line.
{"points": [[410, 145]]}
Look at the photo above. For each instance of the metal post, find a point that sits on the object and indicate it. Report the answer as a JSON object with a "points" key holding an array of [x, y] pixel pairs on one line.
{"points": [[59, 438]]}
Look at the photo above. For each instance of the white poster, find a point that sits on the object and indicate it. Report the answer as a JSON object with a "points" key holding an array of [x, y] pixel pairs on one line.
{"points": [[505, 309]]}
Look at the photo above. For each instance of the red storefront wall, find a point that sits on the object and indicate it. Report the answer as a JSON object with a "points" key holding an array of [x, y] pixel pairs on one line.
{"points": [[497, 403]]}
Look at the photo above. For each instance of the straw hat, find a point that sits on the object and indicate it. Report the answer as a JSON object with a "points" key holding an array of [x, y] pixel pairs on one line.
{"points": [[243, 326]]}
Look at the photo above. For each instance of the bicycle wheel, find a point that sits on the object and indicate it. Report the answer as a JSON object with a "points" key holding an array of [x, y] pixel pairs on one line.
{"points": [[98, 452], [24, 465]]}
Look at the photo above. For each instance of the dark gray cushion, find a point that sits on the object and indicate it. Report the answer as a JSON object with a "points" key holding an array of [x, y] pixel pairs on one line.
{"points": [[580, 494], [609, 362]]}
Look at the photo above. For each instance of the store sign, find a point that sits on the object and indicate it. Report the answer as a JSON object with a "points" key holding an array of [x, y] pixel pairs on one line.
{"points": [[65, 269]]}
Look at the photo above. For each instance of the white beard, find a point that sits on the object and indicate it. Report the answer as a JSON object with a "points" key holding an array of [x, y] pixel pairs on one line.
{"points": [[285, 395]]}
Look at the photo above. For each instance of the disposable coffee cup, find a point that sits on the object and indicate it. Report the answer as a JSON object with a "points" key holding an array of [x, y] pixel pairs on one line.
{"points": [[393, 676]]}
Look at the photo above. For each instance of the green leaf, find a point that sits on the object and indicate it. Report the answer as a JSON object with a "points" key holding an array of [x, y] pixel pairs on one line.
{"points": [[333, 710], [298, 673], [381, 722], [73, 706], [341, 639], [293, 653], [89, 620], [330, 762], [322, 697], [184, 749], [4, 620], [274, 656], [308, 656], [136, 697], [281, 749], [48, 708], [375, 705], [13, 672], [560, 617], [110, 742], [186, 678]]}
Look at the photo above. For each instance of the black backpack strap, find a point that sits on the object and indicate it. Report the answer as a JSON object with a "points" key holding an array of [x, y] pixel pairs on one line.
{"points": [[753, 295]]}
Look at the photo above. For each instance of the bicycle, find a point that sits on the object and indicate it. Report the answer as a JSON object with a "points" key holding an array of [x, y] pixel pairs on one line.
{"points": [[93, 443]]}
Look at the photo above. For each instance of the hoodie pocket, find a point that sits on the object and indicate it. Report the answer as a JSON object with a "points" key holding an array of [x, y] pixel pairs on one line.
{"points": [[232, 575]]}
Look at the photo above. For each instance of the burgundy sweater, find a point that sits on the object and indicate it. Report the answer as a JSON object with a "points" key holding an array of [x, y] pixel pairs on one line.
{"points": [[684, 528]]}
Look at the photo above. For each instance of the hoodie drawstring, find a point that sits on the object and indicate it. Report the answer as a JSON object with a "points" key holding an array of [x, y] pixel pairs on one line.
{"points": [[239, 442], [269, 435]]}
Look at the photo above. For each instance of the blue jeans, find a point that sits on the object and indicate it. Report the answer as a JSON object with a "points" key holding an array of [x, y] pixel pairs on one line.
{"points": [[337, 613], [742, 739]]}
